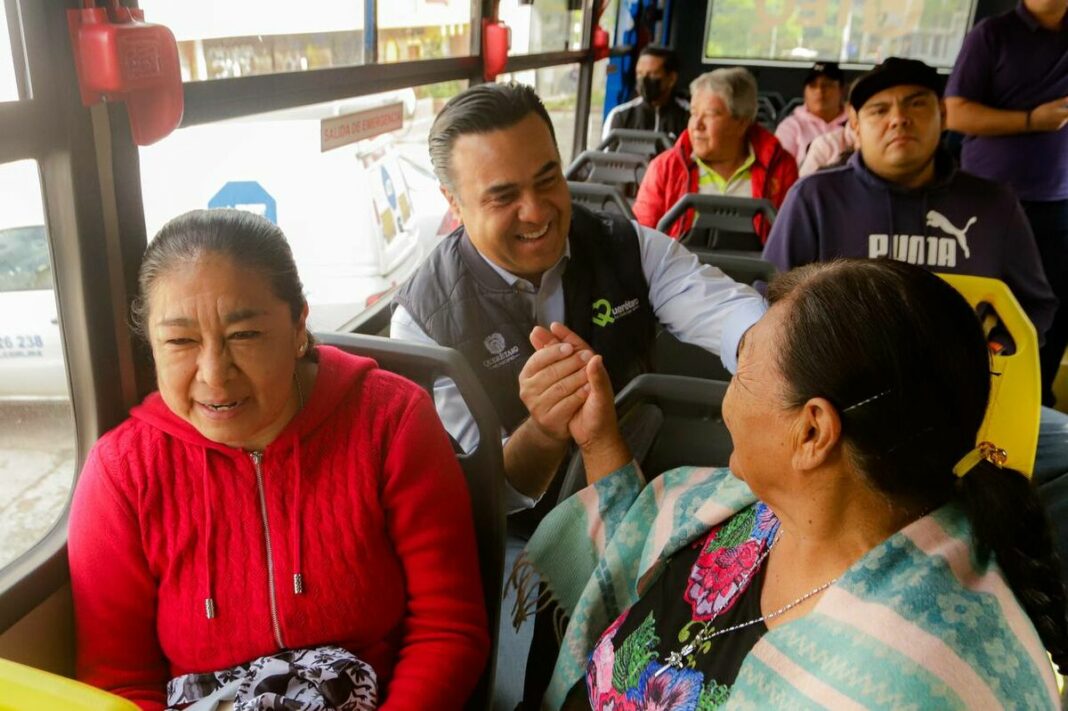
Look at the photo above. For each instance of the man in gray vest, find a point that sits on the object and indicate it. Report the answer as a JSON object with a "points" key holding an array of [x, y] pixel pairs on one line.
{"points": [[526, 257]]}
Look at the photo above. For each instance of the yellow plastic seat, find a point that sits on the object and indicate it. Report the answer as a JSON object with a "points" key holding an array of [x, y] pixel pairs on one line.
{"points": [[1012, 416], [24, 688]]}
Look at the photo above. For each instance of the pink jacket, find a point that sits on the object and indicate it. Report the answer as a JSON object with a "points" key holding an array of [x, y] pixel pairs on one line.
{"points": [[797, 130], [827, 149]]}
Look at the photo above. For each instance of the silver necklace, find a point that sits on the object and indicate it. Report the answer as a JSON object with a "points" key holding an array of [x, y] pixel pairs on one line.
{"points": [[677, 659]]}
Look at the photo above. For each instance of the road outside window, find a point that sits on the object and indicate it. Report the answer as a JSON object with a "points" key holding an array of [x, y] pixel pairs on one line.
{"points": [[37, 437]]}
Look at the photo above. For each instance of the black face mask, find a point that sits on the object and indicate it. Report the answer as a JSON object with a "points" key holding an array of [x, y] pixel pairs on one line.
{"points": [[650, 88]]}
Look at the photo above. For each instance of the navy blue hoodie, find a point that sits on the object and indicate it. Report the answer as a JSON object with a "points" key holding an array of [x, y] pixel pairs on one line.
{"points": [[959, 223]]}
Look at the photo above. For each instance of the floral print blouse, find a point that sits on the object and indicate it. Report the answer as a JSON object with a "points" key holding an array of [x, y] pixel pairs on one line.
{"points": [[716, 582]]}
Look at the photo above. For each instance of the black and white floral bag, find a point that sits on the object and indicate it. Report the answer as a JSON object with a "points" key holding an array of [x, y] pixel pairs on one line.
{"points": [[318, 679]]}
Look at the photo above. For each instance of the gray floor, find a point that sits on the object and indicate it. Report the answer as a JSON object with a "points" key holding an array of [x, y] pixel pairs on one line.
{"points": [[513, 646]]}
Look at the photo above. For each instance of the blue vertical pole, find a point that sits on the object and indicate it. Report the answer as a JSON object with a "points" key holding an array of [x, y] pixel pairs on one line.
{"points": [[617, 88], [370, 31]]}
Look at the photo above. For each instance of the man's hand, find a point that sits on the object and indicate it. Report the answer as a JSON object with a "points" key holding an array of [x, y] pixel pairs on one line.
{"points": [[1050, 116], [553, 382], [593, 426]]}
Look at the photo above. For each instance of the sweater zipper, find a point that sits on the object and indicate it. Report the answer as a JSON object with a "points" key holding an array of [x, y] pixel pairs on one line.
{"points": [[257, 463]]}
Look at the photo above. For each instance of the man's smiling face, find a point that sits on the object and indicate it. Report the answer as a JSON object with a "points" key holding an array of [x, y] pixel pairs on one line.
{"points": [[510, 193]]}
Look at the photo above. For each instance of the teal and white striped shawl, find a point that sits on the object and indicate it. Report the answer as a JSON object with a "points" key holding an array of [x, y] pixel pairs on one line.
{"points": [[917, 623]]}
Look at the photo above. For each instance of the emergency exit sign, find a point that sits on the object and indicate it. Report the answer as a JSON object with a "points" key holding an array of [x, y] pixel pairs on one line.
{"points": [[340, 131]]}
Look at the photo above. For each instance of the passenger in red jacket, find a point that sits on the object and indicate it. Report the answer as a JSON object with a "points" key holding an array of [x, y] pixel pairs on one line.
{"points": [[722, 152], [273, 495]]}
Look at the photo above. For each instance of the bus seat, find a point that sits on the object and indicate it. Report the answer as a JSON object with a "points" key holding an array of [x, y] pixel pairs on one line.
{"points": [[743, 268], [767, 113], [673, 357], [599, 198], [483, 467], [1012, 417], [667, 421], [623, 170], [24, 688], [789, 108], [774, 98], [636, 141], [721, 223]]}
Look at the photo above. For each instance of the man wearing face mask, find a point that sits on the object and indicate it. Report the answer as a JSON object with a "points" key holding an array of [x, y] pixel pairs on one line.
{"points": [[656, 108]]}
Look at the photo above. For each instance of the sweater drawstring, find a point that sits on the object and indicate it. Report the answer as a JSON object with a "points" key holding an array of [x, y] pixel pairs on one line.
{"points": [[295, 529], [208, 540]]}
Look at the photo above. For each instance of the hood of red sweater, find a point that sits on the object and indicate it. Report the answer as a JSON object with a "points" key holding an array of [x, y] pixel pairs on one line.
{"points": [[338, 374], [343, 372]]}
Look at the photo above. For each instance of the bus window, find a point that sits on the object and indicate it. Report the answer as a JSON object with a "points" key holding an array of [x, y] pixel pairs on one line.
{"points": [[360, 215], [244, 37], [845, 31], [542, 26], [558, 88], [607, 22], [410, 30], [9, 90], [37, 437]]}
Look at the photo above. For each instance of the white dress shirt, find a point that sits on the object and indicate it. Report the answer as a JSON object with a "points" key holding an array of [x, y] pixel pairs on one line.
{"points": [[694, 302]]}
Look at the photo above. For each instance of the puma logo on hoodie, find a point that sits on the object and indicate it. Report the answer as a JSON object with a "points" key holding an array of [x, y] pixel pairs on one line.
{"points": [[925, 250]]}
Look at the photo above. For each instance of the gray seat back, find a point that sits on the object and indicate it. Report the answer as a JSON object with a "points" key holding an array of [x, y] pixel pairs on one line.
{"points": [[674, 421], [636, 141], [483, 468], [723, 223], [623, 170], [600, 198]]}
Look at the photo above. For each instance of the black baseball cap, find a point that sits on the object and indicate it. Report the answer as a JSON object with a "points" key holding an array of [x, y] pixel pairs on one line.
{"points": [[830, 70], [894, 71]]}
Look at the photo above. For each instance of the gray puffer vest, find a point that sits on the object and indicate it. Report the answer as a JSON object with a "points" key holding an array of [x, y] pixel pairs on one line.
{"points": [[461, 302]]}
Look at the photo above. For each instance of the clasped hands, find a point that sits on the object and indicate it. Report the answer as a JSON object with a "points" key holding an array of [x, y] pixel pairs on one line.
{"points": [[567, 391]]}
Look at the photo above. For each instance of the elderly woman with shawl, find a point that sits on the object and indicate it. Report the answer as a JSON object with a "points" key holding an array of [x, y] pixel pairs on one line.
{"points": [[859, 553]]}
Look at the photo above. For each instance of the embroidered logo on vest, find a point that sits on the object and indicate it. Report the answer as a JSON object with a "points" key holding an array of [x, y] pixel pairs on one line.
{"points": [[496, 345], [605, 313]]}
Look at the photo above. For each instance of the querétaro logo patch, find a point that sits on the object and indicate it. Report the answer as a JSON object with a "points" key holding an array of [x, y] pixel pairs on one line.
{"points": [[494, 343], [498, 348]]}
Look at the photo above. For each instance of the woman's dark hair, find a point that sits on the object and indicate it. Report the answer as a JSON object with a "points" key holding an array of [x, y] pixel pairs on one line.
{"points": [[480, 109], [249, 240], [902, 357]]}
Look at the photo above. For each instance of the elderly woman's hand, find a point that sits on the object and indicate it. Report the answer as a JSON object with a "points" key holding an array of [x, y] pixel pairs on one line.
{"points": [[593, 426]]}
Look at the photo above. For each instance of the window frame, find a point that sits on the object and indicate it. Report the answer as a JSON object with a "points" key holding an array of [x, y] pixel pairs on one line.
{"points": [[91, 187]]}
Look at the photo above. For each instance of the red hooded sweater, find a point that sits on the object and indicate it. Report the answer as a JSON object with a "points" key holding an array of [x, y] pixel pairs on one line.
{"points": [[362, 496], [674, 173]]}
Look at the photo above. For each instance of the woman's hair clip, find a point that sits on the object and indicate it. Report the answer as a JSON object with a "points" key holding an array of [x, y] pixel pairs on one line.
{"points": [[985, 450], [865, 401]]}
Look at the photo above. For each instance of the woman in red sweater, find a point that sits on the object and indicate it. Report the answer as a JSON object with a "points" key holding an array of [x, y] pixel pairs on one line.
{"points": [[723, 151], [272, 495]]}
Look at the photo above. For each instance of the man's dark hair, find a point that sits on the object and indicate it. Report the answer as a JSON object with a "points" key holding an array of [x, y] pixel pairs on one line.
{"points": [[480, 109], [670, 57]]}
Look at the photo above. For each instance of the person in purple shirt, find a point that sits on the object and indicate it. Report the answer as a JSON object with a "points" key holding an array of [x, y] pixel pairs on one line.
{"points": [[1008, 94], [901, 196]]}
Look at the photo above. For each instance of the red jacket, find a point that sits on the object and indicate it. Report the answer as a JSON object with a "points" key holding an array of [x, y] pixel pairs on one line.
{"points": [[364, 498], [674, 173]]}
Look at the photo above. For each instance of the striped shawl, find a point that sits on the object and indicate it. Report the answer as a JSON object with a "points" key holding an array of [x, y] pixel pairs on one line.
{"points": [[919, 622]]}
